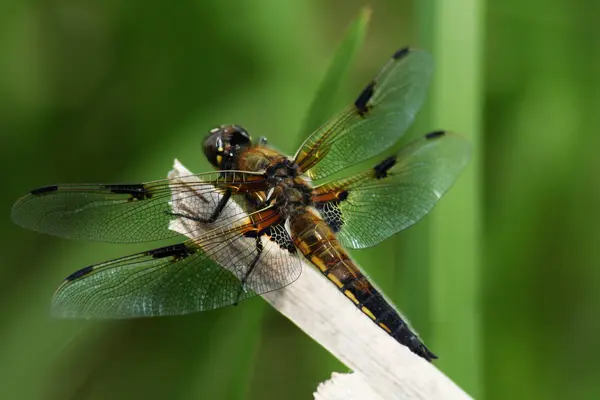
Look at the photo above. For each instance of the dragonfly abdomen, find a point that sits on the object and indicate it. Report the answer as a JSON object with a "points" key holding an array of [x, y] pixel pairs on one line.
{"points": [[366, 298], [318, 244], [376, 307]]}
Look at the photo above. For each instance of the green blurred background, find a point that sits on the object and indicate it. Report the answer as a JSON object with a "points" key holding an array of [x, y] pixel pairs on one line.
{"points": [[501, 280]]}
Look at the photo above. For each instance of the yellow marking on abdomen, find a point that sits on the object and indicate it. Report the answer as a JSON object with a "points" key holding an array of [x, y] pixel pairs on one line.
{"points": [[385, 328], [319, 263], [368, 312], [351, 296], [335, 280]]}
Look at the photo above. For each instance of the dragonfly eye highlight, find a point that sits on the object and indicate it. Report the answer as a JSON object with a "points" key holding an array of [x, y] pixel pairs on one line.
{"points": [[223, 144]]}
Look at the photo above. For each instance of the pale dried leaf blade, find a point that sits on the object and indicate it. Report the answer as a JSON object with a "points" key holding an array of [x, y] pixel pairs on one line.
{"points": [[352, 386]]}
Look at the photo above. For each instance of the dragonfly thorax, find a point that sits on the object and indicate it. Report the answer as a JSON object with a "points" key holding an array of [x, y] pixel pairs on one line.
{"points": [[290, 193], [291, 196]]}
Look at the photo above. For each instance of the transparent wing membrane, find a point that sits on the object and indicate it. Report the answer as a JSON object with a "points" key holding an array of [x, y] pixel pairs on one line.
{"points": [[126, 213], [219, 268], [376, 120], [365, 209]]}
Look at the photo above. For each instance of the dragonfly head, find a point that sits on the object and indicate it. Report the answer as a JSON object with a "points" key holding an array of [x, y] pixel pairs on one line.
{"points": [[224, 143]]}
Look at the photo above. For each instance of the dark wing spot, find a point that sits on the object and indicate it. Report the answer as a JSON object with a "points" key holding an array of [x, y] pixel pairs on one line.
{"points": [[363, 99], [137, 191], [435, 135], [401, 53], [251, 234], [383, 167], [80, 273], [278, 234], [177, 250], [331, 213], [342, 195], [45, 189]]}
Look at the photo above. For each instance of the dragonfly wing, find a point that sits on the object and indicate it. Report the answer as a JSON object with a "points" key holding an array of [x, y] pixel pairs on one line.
{"points": [[376, 120], [219, 268], [365, 209], [125, 213]]}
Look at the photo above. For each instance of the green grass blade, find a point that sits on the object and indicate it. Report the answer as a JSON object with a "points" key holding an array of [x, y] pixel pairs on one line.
{"points": [[321, 107], [453, 33]]}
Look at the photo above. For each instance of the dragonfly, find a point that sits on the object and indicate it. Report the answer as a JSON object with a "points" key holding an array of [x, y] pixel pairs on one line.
{"points": [[249, 223]]}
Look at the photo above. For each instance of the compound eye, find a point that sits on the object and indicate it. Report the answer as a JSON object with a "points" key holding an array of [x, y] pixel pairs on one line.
{"points": [[213, 147], [224, 143], [239, 136]]}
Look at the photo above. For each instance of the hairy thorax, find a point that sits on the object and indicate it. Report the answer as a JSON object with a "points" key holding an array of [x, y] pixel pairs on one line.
{"points": [[288, 192]]}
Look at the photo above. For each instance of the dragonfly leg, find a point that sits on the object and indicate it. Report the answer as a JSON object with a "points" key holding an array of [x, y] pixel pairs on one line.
{"points": [[259, 249], [215, 214]]}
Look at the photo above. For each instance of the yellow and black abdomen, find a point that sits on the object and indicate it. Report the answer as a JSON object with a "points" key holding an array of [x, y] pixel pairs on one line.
{"points": [[313, 237]]}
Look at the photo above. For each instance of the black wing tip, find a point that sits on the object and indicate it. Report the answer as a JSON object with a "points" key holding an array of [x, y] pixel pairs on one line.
{"points": [[44, 189], [435, 135], [79, 273], [403, 52]]}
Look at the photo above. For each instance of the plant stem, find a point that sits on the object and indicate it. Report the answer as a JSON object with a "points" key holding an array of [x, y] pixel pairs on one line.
{"points": [[452, 31]]}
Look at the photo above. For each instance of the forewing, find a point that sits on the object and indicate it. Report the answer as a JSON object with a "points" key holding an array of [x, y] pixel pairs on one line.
{"points": [[127, 213], [376, 120], [200, 274], [365, 209]]}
